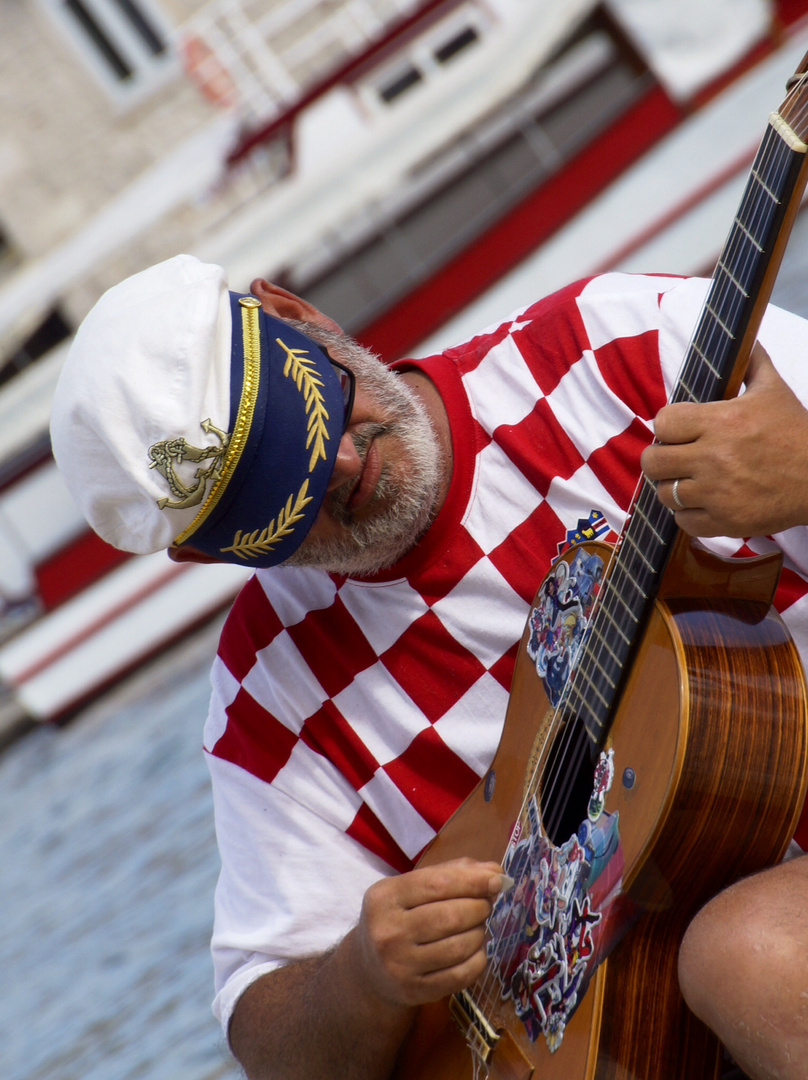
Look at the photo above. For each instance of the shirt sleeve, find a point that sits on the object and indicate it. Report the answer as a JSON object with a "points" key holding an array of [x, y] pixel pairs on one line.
{"points": [[291, 883]]}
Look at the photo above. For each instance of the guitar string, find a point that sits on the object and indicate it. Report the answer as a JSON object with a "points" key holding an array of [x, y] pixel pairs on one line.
{"points": [[721, 281], [644, 490]]}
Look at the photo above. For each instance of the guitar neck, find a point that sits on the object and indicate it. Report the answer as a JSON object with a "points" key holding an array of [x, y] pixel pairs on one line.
{"points": [[715, 362], [713, 368]]}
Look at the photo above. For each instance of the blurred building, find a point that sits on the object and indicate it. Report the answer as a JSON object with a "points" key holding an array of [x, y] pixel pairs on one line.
{"points": [[391, 160], [118, 119]]}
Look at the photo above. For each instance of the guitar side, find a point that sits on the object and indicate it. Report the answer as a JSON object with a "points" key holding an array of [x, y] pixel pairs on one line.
{"points": [[709, 743]]}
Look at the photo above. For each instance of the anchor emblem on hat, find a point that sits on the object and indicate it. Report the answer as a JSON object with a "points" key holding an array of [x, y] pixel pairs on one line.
{"points": [[167, 454]]}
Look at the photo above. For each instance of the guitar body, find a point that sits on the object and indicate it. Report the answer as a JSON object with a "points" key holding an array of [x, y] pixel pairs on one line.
{"points": [[708, 745]]}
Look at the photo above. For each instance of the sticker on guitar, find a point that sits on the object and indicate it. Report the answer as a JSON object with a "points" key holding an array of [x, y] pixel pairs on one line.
{"points": [[550, 931], [559, 619]]}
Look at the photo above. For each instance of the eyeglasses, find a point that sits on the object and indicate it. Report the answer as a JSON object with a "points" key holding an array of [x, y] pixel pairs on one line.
{"points": [[347, 381]]}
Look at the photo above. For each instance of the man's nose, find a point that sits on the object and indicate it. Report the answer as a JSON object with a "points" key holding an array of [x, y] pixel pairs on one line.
{"points": [[347, 465]]}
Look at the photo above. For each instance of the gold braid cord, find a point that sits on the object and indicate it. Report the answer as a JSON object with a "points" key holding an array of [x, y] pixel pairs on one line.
{"points": [[299, 367]]}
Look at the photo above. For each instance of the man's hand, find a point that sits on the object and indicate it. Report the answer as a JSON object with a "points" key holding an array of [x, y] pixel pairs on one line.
{"points": [[344, 1014], [422, 935], [742, 464]]}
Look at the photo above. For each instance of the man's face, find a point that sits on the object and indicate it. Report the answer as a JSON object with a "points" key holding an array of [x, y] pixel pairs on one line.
{"points": [[389, 475]]}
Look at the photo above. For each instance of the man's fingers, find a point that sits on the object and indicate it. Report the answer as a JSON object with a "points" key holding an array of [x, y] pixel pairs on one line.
{"points": [[433, 985], [448, 881], [448, 918], [451, 951], [679, 494], [423, 932], [682, 422], [441, 967]]}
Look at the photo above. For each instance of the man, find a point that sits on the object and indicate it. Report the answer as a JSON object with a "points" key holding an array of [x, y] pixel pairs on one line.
{"points": [[360, 689]]}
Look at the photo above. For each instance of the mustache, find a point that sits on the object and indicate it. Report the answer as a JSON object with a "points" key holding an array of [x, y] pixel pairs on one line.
{"points": [[338, 499]]}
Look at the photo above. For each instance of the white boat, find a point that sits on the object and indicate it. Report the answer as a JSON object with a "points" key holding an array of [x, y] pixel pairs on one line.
{"points": [[505, 148]]}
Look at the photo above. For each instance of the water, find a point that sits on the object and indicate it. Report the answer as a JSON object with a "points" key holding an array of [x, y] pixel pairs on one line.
{"points": [[107, 868]]}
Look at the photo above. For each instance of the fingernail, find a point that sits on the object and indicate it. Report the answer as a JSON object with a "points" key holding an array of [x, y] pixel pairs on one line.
{"points": [[507, 882]]}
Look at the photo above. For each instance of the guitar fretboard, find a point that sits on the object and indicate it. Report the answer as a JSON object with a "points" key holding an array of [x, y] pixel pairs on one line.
{"points": [[644, 547]]}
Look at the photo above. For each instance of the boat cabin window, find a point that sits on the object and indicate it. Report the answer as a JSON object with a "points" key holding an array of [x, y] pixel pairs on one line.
{"points": [[452, 197], [427, 54], [456, 44], [124, 43], [400, 84]]}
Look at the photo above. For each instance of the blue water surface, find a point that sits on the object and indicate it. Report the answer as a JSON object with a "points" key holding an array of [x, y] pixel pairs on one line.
{"points": [[107, 869]]}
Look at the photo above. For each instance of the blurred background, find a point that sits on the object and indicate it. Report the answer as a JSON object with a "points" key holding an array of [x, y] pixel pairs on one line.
{"points": [[417, 169]]}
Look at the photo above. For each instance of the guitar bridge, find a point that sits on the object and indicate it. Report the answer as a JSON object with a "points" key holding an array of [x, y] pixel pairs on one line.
{"points": [[477, 1031]]}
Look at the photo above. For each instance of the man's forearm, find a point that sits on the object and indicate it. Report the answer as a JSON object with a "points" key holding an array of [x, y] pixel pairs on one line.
{"points": [[317, 1018]]}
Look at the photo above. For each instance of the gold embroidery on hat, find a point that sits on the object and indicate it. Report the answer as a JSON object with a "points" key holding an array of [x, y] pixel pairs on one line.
{"points": [[300, 367], [259, 542], [251, 338], [307, 380], [171, 452]]}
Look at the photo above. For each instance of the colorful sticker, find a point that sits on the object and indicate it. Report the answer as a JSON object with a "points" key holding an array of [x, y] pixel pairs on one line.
{"points": [[558, 620], [587, 529], [550, 931]]}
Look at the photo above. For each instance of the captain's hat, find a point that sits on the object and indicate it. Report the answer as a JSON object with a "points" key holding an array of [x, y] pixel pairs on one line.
{"points": [[186, 415]]}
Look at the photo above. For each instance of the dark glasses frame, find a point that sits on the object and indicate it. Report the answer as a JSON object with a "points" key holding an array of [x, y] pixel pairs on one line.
{"points": [[347, 381]]}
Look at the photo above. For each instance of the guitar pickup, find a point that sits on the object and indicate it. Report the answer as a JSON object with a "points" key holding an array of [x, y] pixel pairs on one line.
{"points": [[478, 1033]]}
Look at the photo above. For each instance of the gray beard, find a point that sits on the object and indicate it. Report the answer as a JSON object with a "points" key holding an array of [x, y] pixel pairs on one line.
{"points": [[403, 506]]}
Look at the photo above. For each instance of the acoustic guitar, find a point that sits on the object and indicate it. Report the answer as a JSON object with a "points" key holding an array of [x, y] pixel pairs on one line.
{"points": [[654, 749]]}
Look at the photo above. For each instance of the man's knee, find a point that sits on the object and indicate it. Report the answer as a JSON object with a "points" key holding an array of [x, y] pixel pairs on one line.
{"points": [[711, 955], [743, 969]]}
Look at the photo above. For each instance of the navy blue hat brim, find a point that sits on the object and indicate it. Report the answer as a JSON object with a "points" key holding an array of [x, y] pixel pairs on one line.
{"points": [[286, 422]]}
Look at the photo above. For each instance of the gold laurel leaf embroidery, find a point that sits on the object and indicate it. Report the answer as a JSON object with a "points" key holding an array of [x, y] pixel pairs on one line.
{"points": [[308, 381], [260, 541]]}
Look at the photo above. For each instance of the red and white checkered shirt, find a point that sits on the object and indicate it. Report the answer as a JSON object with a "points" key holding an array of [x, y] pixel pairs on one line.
{"points": [[350, 718]]}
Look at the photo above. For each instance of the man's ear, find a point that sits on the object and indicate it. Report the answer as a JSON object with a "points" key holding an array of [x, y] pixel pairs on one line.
{"points": [[285, 305]]}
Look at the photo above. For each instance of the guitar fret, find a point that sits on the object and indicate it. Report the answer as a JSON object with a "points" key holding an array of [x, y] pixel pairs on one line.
{"points": [[638, 512], [594, 631], [638, 552], [616, 628], [594, 690], [626, 582], [762, 183], [725, 304], [612, 680], [739, 259], [634, 582], [751, 238], [725, 270], [583, 692], [629, 612], [601, 662], [684, 387], [590, 706], [706, 360], [720, 321]]}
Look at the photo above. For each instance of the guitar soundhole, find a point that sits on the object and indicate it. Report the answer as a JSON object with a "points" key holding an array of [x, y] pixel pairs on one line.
{"points": [[566, 783]]}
